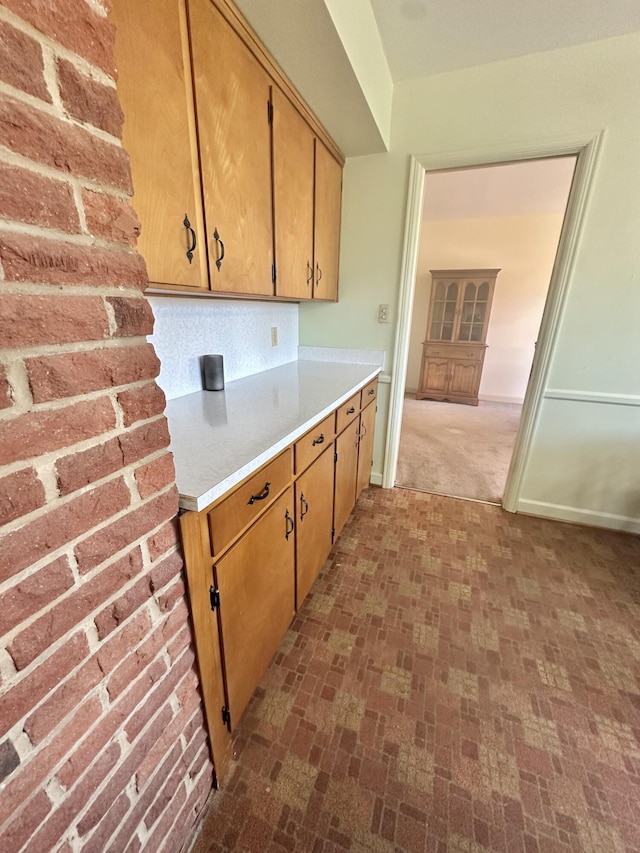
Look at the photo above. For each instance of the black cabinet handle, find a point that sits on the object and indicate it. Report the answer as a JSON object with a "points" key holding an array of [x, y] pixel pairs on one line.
{"points": [[304, 506], [192, 247], [263, 494], [318, 440], [219, 257], [371, 391], [350, 411], [309, 273], [288, 521], [318, 273]]}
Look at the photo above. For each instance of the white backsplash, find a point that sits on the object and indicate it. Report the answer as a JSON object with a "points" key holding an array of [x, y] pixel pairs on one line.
{"points": [[188, 328]]}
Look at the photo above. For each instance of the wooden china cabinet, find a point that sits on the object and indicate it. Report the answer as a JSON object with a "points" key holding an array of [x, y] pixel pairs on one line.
{"points": [[455, 345]]}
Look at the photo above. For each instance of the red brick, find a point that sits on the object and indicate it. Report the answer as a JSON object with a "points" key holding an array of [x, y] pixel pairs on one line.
{"points": [[165, 795], [62, 701], [5, 389], [87, 466], [66, 147], [120, 645], [88, 100], [138, 404], [168, 818], [135, 663], [166, 538], [155, 476], [16, 835], [179, 643], [76, 607], [103, 833], [110, 218], [40, 432], [143, 803], [159, 695], [120, 610], [63, 816], [60, 525], [36, 591], [28, 320], [26, 196], [122, 776], [167, 599], [21, 64], [35, 259], [98, 547], [133, 315], [75, 25], [144, 440], [19, 700], [184, 828], [20, 493], [75, 373], [153, 760], [166, 570], [33, 773], [101, 735]]}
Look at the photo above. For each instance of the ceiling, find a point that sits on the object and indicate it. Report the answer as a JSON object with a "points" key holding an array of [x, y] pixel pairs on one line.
{"points": [[320, 47]]}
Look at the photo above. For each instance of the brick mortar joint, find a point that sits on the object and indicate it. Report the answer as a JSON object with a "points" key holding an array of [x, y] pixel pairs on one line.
{"points": [[71, 347], [54, 235]]}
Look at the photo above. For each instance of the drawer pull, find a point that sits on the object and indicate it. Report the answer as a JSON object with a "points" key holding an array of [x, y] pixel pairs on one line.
{"points": [[263, 494], [351, 410], [371, 391], [319, 440], [304, 506], [192, 247], [288, 521]]}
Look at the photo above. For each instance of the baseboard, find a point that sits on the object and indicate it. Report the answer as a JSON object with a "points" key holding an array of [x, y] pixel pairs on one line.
{"points": [[497, 398], [576, 515], [376, 478]]}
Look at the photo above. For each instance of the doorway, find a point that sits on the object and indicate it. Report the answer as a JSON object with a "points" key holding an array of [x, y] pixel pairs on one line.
{"points": [[506, 218], [587, 147]]}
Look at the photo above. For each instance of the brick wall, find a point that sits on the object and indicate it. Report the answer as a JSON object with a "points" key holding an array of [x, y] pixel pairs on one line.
{"points": [[102, 743]]}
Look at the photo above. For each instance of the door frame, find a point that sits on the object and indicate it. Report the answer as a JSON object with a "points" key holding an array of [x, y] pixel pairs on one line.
{"points": [[587, 148]]}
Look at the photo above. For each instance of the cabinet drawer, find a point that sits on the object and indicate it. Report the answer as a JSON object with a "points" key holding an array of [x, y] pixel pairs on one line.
{"points": [[369, 393], [228, 518], [311, 445], [454, 351], [347, 412]]}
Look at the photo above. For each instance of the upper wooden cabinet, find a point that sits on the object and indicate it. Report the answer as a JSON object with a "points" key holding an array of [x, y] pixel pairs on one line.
{"points": [[159, 134], [222, 144]]}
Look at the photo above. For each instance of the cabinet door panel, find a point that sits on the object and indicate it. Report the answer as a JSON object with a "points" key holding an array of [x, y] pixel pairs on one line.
{"points": [[292, 199], [346, 475], [465, 377], [159, 134], [256, 583], [328, 201], [314, 521], [436, 375], [232, 95], [365, 450]]}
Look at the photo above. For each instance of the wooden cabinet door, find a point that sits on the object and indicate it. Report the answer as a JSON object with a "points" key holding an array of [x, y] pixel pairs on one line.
{"points": [[314, 521], [464, 378], [346, 475], [232, 96], [293, 151], [154, 87], [365, 448], [435, 376], [328, 203], [256, 584]]}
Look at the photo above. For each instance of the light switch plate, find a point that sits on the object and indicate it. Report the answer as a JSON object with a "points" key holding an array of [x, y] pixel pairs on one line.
{"points": [[383, 313]]}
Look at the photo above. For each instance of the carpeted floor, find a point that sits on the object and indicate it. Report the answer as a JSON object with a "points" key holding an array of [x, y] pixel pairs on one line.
{"points": [[452, 449], [460, 680]]}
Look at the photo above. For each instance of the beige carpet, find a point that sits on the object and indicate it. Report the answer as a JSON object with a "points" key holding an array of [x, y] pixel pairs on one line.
{"points": [[452, 449]]}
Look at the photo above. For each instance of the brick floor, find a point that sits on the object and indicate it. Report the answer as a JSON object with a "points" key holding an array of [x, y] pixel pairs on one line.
{"points": [[459, 679]]}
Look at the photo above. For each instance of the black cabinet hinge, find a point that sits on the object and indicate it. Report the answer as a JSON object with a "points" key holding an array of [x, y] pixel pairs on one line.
{"points": [[273, 273], [214, 597], [226, 717], [335, 456]]}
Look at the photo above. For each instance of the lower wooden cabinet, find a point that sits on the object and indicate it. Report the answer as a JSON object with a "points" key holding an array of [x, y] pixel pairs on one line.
{"points": [[314, 521], [451, 372], [253, 555]]}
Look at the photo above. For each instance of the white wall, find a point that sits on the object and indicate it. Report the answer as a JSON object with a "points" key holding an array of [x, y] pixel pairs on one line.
{"points": [[187, 328], [583, 89], [524, 249]]}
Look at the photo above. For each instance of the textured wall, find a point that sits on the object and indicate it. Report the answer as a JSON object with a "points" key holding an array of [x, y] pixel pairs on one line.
{"points": [[102, 745]]}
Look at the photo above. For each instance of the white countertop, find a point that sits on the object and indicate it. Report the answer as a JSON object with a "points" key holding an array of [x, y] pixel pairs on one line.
{"points": [[220, 437]]}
